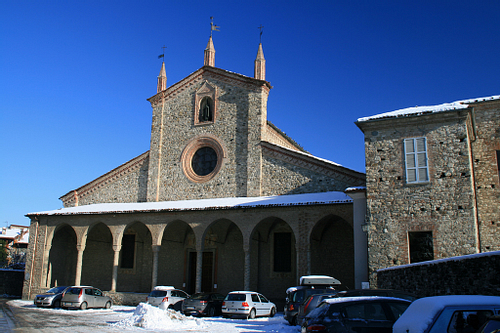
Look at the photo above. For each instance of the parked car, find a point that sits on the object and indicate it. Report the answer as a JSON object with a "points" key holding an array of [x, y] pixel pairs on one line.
{"points": [[167, 297], [310, 304], [84, 297], [309, 285], [51, 298], [205, 304], [377, 292], [355, 314], [463, 313], [248, 304], [492, 325]]}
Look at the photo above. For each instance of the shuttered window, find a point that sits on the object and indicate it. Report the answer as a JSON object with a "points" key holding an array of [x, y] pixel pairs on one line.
{"points": [[417, 169]]}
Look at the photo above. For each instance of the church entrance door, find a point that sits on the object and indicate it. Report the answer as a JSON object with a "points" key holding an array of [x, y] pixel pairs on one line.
{"points": [[207, 272]]}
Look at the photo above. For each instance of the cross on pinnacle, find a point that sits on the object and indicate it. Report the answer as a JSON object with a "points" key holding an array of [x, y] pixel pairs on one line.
{"points": [[213, 27], [261, 27]]}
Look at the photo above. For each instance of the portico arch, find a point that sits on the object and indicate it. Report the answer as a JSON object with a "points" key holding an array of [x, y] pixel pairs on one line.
{"points": [[63, 257], [135, 260], [332, 250], [97, 267], [223, 256], [273, 256], [177, 240]]}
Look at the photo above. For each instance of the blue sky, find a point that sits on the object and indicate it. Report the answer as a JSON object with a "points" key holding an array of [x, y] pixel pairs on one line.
{"points": [[75, 75]]}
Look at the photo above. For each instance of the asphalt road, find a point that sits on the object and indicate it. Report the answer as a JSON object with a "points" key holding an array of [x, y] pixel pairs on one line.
{"points": [[27, 319]]}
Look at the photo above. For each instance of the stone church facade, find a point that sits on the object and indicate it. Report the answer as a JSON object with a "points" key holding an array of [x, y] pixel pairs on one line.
{"points": [[432, 182], [222, 201]]}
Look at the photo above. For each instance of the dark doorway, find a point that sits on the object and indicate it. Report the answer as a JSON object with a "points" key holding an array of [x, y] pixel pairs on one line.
{"points": [[207, 272]]}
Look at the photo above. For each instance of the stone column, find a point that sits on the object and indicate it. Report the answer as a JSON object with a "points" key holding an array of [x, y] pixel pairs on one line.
{"points": [[156, 249], [79, 261], [116, 258], [199, 265], [45, 267], [360, 237], [246, 281]]}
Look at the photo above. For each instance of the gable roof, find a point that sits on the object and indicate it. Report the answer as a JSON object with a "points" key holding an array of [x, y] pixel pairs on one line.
{"points": [[420, 110]]}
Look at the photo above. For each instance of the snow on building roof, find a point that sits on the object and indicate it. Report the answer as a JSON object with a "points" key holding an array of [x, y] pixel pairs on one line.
{"points": [[15, 231], [205, 204], [419, 110]]}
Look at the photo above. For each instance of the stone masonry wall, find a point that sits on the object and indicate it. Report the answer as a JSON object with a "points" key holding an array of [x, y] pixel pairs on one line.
{"points": [[470, 275], [444, 205], [487, 143], [283, 178], [126, 183], [239, 119]]}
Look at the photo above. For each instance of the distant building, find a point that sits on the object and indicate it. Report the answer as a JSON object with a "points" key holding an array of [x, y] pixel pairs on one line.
{"points": [[16, 241], [432, 182], [222, 201]]}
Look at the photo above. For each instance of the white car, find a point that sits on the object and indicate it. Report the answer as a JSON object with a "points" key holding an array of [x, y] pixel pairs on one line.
{"points": [[248, 304], [167, 297], [453, 313]]}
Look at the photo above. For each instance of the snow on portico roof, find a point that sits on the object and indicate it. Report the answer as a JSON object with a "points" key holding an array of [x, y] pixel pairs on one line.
{"points": [[204, 204], [419, 110]]}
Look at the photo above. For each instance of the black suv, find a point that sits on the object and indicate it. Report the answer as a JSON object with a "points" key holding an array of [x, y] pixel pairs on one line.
{"points": [[309, 285]]}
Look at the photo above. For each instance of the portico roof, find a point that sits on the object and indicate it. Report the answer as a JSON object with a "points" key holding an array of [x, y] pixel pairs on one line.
{"points": [[204, 204]]}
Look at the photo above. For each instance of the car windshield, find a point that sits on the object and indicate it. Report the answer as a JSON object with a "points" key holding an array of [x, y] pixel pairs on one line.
{"points": [[158, 293], [236, 297], [200, 296], [73, 291], [300, 295], [56, 290]]}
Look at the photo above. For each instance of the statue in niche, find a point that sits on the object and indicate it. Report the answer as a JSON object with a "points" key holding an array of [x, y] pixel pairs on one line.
{"points": [[206, 111]]}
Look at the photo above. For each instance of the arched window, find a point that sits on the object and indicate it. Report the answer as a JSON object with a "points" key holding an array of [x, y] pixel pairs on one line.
{"points": [[206, 110]]}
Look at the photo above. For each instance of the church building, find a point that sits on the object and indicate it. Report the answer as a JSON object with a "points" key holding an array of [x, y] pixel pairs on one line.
{"points": [[222, 201]]}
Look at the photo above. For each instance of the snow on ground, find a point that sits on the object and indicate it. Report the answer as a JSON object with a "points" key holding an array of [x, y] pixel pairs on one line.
{"points": [[146, 318]]}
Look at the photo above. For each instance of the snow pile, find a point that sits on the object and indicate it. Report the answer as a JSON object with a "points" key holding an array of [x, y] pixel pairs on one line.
{"points": [[150, 317]]}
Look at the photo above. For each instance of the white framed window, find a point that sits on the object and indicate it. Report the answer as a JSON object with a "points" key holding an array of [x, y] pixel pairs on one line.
{"points": [[417, 169]]}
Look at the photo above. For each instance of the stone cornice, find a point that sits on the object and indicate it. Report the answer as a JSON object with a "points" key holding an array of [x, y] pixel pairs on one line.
{"points": [[210, 72], [312, 163], [71, 197]]}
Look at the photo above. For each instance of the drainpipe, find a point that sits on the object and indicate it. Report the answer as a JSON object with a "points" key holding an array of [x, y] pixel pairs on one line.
{"points": [[470, 138]]}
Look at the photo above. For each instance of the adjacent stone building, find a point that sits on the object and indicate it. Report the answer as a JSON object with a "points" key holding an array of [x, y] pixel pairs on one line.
{"points": [[222, 201], [432, 182]]}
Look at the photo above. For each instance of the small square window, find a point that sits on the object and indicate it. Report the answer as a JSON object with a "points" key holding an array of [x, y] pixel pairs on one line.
{"points": [[421, 246]]}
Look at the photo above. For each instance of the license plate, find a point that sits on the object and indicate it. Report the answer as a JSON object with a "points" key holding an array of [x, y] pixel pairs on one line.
{"points": [[190, 307]]}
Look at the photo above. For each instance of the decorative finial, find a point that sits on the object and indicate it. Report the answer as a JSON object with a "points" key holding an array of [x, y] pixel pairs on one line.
{"points": [[163, 54], [261, 28], [213, 27]]}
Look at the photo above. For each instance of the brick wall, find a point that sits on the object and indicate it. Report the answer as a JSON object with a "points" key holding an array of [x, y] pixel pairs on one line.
{"points": [[467, 275]]}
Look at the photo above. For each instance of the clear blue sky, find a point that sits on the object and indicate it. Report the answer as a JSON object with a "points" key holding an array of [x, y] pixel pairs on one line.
{"points": [[75, 75]]}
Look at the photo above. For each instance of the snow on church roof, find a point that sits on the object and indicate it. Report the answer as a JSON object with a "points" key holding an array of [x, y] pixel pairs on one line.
{"points": [[204, 204], [419, 110]]}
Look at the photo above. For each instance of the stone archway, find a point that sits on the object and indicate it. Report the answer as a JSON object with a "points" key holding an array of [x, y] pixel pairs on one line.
{"points": [[97, 264], [63, 257], [173, 269], [136, 259], [223, 261], [332, 249], [273, 257]]}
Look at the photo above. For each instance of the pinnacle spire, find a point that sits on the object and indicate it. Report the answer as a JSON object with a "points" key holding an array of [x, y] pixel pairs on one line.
{"points": [[162, 79], [209, 54], [260, 65]]}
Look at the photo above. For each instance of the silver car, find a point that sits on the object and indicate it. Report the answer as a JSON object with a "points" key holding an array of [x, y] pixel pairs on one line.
{"points": [[51, 298], [84, 297], [247, 304]]}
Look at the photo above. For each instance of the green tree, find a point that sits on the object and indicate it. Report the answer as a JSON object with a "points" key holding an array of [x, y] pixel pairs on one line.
{"points": [[3, 252]]}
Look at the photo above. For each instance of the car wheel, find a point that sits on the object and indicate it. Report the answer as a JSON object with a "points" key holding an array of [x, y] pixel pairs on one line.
{"points": [[251, 315], [83, 306], [211, 311], [273, 312], [293, 322], [57, 303], [108, 305]]}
